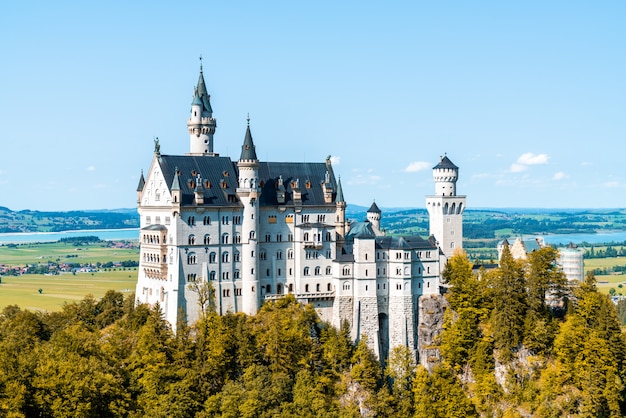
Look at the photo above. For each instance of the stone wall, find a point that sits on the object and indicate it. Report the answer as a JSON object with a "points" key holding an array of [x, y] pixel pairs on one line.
{"points": [[431, 310]]}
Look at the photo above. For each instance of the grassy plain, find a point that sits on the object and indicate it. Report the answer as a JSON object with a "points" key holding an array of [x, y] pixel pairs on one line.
{"points": [[57, 290], [66, 287]]}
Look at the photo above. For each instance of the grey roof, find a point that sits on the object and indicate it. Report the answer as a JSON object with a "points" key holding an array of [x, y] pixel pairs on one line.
{"points": [[309, 176], [445, 163], [202, 93], [360, 230], [248, 151], [409, 242], [339, 198], [374, 208], [142, 182], [218, 173]]}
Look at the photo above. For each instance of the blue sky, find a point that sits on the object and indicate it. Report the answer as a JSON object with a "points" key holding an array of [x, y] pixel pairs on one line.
{"points": [[527, 98]]}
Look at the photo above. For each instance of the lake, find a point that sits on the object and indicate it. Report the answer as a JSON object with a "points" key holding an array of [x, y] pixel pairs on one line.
{"points": [[599, 238], [104, 234]]}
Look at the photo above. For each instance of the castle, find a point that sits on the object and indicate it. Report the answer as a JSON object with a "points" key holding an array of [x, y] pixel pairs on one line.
{"points": [[257, 231]]}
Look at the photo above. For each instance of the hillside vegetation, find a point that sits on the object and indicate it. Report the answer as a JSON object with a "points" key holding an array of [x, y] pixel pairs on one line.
{"points": [[506, 351], [36, 221]]}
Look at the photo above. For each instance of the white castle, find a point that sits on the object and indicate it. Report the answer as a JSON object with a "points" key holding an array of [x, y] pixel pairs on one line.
{"points": [[257, 231]]}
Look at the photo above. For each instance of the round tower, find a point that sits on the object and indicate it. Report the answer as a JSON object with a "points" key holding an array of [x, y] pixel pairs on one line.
{"points": [[445, 208], [373, 216], [249, 192], [201, 124], [445, 175]]}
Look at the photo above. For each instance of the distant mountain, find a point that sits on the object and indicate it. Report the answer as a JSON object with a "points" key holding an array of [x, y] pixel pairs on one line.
{"points": [[37, 221]]}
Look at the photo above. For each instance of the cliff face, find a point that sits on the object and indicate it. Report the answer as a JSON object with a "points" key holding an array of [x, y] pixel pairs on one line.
{"points": [[431, 310]]}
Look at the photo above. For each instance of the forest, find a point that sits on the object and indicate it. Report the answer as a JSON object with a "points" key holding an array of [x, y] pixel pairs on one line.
{"points": [[517, 341]]}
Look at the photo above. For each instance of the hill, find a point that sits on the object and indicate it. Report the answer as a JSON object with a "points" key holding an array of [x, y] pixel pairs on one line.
{"points": [[36, 221]]}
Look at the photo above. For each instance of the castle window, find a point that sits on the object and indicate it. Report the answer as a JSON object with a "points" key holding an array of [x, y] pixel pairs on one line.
{"points": [[329, 287], [237, 220], [279, 255], [207, 239], [271, 219], [306, 288], [329, 236], [237, 292], [226, 293], [148, 220], [225, 275], [346, 286], [306, 271], [236, 256], [407, 256], [191, 258], [191, 277], [328, 254], [279, 237], [289, 219], [225, 238], [206, 220], [279, 289], [268, 288], [290, 271], [252, 234], [237, 238], [167, 220], [212, 257], [290, 254], [212, 275], [191, 240], [317, 287], [365, 256], [224, 220], [157, 220], [225, 257], [329, 270], [268, 237], [279, 273], [365, 272], [236, 274], [318, 270], [267, 272], [290, 237], [306, 236], [191, 220], [262, 255], [398, 272], [290, 287], [346, 271], [305, 218]]}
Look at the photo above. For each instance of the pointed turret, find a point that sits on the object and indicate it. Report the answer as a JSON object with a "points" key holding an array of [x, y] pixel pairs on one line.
{"points": [[339, 198], [175, 189], [140, 186], [248, 150], [201, 124]]}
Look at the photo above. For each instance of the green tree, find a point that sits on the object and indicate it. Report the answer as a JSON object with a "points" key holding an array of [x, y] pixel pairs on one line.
{"points": [[440, 394]]}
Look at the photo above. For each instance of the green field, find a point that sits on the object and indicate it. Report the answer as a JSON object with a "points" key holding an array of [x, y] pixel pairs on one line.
{"points": [[22, 254], [57, 290]]}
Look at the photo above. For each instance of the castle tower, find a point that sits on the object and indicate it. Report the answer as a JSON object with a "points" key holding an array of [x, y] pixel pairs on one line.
{"points": [[445, 208], [373, 216], [201, 124], [340, 214], [249, 192]]}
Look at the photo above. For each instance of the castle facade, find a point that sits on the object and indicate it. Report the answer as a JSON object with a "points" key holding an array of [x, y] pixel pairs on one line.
{"points": [[257, 231]]}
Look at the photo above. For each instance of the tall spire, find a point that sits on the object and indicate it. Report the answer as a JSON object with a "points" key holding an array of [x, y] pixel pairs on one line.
{"points": [[248, 150], [339, 198], [201, 124]]}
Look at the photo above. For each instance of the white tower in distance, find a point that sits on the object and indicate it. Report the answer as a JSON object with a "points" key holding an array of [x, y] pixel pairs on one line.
{"points": [[445, 208], [201, 124]]}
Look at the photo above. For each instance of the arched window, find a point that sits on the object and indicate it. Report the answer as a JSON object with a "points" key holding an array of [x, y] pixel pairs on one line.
{"points": [[317, 270], [279, 255], [329, 236], [225, 238], [252, 234], [306, 271], [191, 258], [225, 257], [317, 287], [212, 257], [192, 239], [329, 270], [207, 239], [290, 254], [279, 289], [306, 236]]}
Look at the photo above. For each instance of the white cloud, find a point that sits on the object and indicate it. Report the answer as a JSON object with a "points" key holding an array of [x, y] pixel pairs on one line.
{"points": [[533, 159], [361, 179], [560, 176], [91, 168], [416, 166], [335, 160], [518, 168]]}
